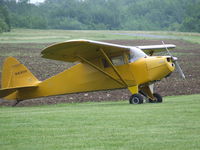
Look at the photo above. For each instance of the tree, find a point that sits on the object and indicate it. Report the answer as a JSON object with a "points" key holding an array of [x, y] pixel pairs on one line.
{"points": [[4, 18], [192, 20]]}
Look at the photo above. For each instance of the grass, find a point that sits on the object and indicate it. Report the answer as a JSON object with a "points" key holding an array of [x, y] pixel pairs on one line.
{"points": [[49, 36], [174, 124]]}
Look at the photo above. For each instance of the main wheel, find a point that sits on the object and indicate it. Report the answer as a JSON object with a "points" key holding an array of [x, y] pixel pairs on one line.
{"points": [[158, 98], [136, 99]]}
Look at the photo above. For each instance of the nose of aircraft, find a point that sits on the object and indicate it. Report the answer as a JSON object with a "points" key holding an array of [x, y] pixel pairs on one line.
{"points": [[159, 67], [174, 60], [170, 63]]}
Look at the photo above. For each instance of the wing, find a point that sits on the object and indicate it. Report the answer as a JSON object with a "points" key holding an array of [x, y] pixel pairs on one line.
{"points": [[70, 50], [150, 49]]}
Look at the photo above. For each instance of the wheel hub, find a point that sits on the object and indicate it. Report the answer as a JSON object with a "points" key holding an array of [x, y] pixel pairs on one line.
{"points": [[136, 100]]}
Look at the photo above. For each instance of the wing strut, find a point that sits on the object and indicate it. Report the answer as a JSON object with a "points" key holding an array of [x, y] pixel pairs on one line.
{"points": [[114, 68], [99, 69]]}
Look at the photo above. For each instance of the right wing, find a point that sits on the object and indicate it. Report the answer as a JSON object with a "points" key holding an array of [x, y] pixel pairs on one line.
{"points": [[156, 48]]}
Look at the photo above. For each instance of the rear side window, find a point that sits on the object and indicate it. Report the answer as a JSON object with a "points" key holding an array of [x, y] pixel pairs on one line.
{"points": [[105, 63]]}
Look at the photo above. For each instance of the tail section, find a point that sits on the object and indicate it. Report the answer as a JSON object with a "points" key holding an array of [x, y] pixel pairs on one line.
{"points": [[15, 76]]}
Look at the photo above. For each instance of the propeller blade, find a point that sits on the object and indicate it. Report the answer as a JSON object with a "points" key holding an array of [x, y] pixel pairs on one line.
{"points": [[179, 69], [174, 59], [167, 49]]}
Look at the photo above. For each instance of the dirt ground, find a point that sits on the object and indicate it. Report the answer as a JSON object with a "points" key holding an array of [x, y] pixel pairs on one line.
{"points": [[29, 54]]}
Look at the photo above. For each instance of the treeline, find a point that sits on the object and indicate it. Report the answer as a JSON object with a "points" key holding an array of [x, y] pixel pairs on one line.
{"points": [[173, 15]]}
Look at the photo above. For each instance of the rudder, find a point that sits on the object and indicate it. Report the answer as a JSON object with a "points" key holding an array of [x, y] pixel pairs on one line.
{"points": [[15, 74]]}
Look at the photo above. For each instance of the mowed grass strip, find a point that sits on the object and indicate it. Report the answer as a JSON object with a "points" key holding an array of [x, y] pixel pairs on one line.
{"points": [[51, 36], [174, 124]]}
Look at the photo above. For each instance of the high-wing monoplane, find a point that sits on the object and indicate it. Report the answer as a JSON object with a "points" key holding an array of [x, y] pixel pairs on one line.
{"points": [[101, 66]]}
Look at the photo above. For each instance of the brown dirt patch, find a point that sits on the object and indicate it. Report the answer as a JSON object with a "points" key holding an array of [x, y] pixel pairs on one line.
{"points": [[29, 54]]}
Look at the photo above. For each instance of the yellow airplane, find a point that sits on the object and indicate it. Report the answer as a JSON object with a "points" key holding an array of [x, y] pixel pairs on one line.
{"points": [[102, 66]]}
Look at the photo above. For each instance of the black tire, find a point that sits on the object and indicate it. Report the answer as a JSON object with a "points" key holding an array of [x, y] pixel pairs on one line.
{"points": [[158, 98], [151, 101], [136, 99]]}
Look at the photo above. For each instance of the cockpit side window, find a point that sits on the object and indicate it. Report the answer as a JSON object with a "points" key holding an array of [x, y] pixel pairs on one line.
{"points": [[118, 60]]}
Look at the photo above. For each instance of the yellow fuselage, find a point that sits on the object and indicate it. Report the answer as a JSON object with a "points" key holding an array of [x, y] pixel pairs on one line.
{"points": [[84, 78]]}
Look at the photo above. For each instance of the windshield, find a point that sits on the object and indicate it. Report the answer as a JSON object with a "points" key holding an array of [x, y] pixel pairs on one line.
{"points": [[136, 53]]}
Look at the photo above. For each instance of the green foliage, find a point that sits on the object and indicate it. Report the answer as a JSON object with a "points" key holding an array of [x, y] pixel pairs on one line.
{"points": [[3, 26], [67, 23], [4, 17], [174, 15], [25, 15], [174, 124], [192, 20]]}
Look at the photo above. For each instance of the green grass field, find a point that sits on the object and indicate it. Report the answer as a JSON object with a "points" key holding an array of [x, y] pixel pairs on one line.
{"points": [[172, 125], [49, 36]]}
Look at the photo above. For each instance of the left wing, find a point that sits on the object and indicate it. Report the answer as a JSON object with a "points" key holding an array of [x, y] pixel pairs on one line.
{"points": [[70, 50]]}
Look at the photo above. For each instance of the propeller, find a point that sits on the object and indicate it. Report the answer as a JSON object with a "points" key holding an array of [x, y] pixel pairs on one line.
{"points": [[175, 61]]}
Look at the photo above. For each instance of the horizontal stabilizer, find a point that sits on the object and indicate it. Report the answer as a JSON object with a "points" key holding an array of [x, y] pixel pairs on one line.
{"points": [[7, 91]]}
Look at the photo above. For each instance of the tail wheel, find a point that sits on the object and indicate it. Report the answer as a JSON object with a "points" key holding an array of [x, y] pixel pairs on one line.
{"points": [[136, 99], [158, 98]]}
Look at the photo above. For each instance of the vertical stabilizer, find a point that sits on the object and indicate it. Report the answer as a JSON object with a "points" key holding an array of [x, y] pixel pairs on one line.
{"points": [[15, 74]]}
